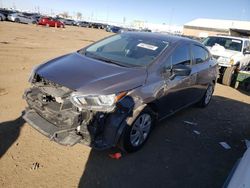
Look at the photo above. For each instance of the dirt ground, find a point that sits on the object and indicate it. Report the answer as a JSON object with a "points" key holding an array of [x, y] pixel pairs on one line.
{"points": [[174, 156]]}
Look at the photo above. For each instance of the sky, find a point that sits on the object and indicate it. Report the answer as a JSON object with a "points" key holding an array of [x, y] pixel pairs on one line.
{"points": [[175, 12]]}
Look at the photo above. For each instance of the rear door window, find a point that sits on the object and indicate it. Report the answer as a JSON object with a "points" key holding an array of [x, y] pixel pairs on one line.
{"points": [[181, 55], [199, 54]]}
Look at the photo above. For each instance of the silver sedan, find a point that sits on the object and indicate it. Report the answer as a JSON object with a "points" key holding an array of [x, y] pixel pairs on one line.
{"points": [[20, 18]]}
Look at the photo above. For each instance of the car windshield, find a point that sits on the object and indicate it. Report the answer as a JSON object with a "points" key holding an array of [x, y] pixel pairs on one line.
{"points": [[129, 50], [227, 43]]}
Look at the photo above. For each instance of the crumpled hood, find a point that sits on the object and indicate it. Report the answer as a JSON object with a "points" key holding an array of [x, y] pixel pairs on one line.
{"points": [[221, 51], [91, 76]]}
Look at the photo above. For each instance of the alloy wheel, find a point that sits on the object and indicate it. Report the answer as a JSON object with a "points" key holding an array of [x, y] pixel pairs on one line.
{"points": [[140, 129], [209, 94]]}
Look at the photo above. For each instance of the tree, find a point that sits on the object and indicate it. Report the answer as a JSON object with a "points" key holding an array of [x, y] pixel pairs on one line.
{"points": [[79, 15], [65, 14]]}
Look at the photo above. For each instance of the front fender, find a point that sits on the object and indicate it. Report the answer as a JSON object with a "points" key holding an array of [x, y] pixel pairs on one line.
{"points": [[115, 122]]}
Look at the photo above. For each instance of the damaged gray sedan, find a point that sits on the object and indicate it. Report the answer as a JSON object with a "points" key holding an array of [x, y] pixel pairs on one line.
{"points": [[112, 92]]}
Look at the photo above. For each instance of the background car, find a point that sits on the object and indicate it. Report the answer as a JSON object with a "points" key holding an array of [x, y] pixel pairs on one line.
{"points": [[97, 25], [2, 17], [114, 29], [232, 54], [240, 174], [35, 16], [21, 18], [83, 24], [50, 22], [65, 21], [6, 12]]}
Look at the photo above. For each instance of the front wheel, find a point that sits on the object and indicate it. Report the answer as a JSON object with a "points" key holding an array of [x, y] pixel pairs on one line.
{"points": [[136, 135], [228, 76]]}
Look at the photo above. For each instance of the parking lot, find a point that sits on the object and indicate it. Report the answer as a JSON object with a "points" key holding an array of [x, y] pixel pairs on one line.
{"points": [[178, 154]]}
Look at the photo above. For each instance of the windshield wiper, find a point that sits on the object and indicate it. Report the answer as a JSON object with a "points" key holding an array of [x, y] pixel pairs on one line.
{"points": [[93, 55]]}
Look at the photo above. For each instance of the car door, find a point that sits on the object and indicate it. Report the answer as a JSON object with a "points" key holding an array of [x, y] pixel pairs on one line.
{"points": [[21, 18], [177, 91], [246, 57], [26, 19], [201, 70], [51, 22]]}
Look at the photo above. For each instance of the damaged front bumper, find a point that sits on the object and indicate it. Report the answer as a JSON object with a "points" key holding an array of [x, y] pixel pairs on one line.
{"points": [[67, 125], [61, 136]]}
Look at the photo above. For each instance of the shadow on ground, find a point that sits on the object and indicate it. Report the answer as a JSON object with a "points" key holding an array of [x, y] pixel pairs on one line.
{"points": [[9, 132], [175, 156]]}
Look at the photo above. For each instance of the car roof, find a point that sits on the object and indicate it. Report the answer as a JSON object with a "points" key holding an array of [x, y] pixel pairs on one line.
{"points": [[166, 37]]}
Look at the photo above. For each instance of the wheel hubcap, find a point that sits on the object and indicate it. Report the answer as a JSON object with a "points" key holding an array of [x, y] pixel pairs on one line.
{"points": [[140, 129], [209, 94]]}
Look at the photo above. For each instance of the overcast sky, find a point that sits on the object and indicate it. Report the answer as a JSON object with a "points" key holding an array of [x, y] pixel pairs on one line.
{"points": [[153, 11]]}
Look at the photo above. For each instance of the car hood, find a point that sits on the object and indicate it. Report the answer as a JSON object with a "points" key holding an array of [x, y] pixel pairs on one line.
{"points": [[90, 76], [221, 51]]}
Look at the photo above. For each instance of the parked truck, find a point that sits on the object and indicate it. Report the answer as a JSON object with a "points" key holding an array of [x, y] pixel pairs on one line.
{"points": [[231, 53]]}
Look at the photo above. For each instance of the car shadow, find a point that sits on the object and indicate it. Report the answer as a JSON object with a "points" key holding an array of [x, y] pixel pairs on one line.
{"points": [[244, 88], [9, 132], [178, 154]]}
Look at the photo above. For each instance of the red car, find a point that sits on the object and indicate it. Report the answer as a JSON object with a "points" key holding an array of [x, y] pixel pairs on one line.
{"points": [[50, 22]]}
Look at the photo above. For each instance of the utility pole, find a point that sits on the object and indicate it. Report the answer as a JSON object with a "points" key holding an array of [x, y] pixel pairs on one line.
{"points": [[1, 3]]}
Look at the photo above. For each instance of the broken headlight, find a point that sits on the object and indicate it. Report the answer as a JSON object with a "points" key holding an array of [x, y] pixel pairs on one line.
{"points": [[33, 72], [96, 102]]}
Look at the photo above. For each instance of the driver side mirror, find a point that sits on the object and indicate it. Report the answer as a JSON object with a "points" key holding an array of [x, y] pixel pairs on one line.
{"points": [[178, 70], [181, 70], [246, 51]]}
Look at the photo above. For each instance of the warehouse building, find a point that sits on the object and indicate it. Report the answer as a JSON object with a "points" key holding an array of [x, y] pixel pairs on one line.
{"points": [[207, 27]]}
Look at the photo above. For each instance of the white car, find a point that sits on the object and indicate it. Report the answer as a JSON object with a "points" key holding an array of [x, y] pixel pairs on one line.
{"points": [[21, 18], [232, 54], [2, 17], [240, 174]]}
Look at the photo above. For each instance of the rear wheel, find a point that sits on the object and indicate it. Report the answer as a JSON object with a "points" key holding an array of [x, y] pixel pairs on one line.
{"points": [[228, 76], [136, 135], [17, 20], [207, 96]]}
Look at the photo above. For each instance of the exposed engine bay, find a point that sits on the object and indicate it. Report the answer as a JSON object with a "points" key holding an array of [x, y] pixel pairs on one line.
{"points": [[51, 112]]}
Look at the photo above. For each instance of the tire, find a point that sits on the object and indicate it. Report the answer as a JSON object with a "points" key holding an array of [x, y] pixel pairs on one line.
{"points": [[135, 136], [17, 20], [228, 76], [205, 100]]}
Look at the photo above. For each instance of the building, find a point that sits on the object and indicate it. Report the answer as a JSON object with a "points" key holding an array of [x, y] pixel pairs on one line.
{"points": [[206, 27]]}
